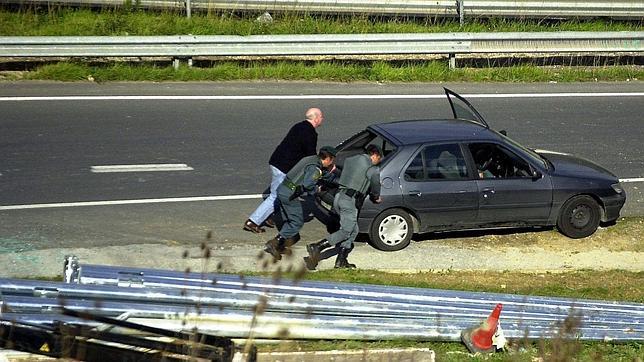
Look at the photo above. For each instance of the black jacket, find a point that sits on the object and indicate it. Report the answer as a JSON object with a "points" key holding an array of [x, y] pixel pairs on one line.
{"points": [[300, 141]]}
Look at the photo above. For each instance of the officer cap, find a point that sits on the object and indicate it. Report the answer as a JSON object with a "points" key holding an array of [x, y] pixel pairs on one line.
{"points": [[374, 148], [330, 150]]}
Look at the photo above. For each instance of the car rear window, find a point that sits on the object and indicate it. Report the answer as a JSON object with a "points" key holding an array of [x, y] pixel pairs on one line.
{"points": [[437, 162]]}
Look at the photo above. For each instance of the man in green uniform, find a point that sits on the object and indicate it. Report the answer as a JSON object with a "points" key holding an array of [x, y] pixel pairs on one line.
{"points": [[359, 176], [301, 179]]}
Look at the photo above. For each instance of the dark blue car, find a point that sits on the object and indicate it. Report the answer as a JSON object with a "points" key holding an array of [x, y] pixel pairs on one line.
{"points": [[459, 174]]}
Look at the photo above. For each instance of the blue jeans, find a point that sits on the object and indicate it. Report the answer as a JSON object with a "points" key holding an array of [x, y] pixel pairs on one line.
{"points": [[266, 208]]}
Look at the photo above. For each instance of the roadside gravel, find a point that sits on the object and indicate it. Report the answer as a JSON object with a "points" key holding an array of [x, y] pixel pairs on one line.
{"points": [[617, 247]]}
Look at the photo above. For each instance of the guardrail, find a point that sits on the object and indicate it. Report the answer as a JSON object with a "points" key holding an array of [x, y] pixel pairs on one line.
{"points": [[188, 46], [628, 9]]}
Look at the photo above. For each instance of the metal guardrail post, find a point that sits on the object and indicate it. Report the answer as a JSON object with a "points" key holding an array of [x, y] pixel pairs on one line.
{"points": [[188, 9], [461, 11]]}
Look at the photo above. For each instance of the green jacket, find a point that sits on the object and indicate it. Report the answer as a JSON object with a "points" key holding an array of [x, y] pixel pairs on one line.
{"points": [[361, 175]]}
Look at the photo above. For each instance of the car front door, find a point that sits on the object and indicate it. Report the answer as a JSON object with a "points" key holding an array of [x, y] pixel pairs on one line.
{"points": [[509, 194], [437, 186]]}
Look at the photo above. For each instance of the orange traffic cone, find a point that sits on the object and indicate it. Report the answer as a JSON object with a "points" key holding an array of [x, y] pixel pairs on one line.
{"points": [[479, 338]]}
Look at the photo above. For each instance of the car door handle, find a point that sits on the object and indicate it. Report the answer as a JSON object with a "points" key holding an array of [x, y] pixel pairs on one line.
{"points": [[487, 191], [415, 193]]}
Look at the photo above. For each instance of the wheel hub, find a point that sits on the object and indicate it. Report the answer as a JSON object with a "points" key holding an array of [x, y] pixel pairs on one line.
{"points": [[393, 230], [580, 216]]}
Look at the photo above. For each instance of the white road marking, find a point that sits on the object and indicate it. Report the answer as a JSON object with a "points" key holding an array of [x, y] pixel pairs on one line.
{"points": [[313, 96], [142, 168], [636, 179], [167, 200], [129, 202]]}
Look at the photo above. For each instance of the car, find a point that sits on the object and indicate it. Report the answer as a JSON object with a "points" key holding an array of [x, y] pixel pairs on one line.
{"points": [[459, 174]]}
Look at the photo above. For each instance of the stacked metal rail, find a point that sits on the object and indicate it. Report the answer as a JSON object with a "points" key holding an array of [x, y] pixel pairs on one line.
{"points": [[234, 306], [322, 44], [632, 9]]}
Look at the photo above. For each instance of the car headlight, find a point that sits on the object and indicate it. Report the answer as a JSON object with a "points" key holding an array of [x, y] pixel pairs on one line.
{"points": [[617, 187]]}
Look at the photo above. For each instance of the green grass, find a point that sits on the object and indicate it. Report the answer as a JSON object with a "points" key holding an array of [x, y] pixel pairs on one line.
{"points": [[456, 351], [589, 284], [338, 71], [59, 21], [68, 21]]}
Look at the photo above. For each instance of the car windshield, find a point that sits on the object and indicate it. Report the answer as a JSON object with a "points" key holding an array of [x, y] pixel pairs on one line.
{"points": [[530, 153]]}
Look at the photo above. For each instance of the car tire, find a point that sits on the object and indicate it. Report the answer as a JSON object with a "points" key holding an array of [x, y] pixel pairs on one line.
{"points": [[391, 230], [579, 217]]}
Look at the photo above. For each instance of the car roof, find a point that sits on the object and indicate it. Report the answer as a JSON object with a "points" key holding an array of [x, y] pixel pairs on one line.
{"points": [[432, 130]]}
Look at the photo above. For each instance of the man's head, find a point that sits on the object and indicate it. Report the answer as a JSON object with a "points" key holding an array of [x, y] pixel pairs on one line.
{"points": [[375, 154], [327, 155], [315, 117]]}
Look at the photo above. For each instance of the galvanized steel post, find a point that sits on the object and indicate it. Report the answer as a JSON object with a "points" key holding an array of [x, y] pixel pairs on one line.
{"points": [[461, 13]]}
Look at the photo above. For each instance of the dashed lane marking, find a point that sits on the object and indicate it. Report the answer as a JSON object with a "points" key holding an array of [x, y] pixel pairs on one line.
{"points": [[142, 168]]}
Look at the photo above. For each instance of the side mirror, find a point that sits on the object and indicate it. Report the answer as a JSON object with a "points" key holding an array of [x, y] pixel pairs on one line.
{"points": [[535, 173]]}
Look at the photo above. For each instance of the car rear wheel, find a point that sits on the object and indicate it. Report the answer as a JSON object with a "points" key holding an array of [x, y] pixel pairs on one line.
{"points": [[391, 230], [579, 217]]}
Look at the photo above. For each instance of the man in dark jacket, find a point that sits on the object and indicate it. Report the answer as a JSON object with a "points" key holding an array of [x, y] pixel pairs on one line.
{"points": [[360, 176], [300, 141]]}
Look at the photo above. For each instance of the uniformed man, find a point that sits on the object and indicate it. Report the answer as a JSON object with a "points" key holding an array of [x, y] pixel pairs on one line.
{"points": [[359, 176], [301, 179]]}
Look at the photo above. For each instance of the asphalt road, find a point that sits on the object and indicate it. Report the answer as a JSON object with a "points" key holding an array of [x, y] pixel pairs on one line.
{"points": [[225, 133]]}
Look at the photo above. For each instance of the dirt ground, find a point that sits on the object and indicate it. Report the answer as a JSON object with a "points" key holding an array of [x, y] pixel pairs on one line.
{"points": [[626, 235]]}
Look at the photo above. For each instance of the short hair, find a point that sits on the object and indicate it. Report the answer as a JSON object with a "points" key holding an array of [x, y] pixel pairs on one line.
{"points": [[327, 151], [374, 149]]}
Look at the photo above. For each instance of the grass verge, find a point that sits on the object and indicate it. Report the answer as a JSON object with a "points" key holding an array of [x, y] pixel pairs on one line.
{"points": [[58, 21], [338, 71], [62, 21]]}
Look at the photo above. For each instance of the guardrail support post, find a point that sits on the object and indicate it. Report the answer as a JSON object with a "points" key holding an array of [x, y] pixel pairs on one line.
{"points": [[188, 8], [452, 61], [189, 62], [461, 11], [175, 63]]}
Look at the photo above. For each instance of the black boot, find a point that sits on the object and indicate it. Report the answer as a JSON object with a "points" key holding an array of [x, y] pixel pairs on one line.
{"points": [[341, 261], [288, 242], [285, 247], [274, 246], [314, 251]]}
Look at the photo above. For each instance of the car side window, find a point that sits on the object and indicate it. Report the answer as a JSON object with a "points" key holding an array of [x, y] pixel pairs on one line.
{"points": [[494, 161], [437, 162]]}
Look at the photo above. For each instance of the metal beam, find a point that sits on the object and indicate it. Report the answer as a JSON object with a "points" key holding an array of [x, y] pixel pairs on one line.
{"points": [[187, 46]]}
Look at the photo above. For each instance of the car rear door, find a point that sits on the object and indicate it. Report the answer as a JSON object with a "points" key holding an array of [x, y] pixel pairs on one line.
{"points": [[436, 185]]}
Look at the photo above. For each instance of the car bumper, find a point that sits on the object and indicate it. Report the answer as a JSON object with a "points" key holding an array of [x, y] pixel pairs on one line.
{"points": [[612, 206]]}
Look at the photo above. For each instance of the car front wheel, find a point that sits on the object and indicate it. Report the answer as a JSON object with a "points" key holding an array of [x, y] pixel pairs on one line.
{"points": [[391, 230], [579, 217]]}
